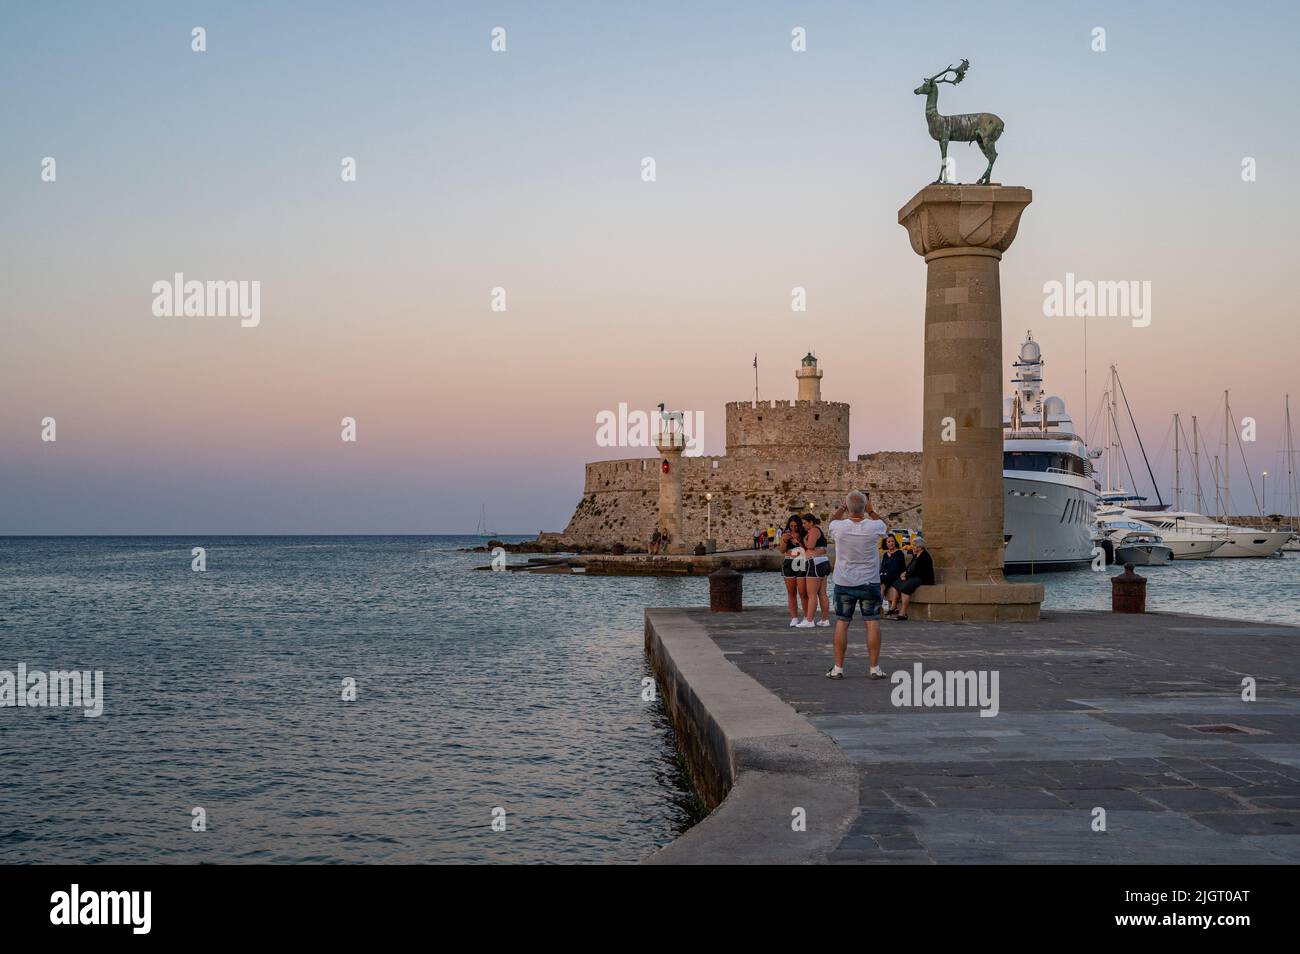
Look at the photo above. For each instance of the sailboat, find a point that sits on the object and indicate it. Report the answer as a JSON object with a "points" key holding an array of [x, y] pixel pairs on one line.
{"points": [[481, 530], [1219, 537]]}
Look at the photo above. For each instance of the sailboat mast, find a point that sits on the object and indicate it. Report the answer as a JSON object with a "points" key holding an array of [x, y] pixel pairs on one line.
{"points": [[1218, 487], [1112, 437], [1292, 496], [1086, 408], [1196, 462], [1227, 461], [1178, 490], [1105, 400]]}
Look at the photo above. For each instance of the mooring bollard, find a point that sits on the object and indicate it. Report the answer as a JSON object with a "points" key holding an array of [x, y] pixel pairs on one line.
{"points": [[725, 590], [1128, 592]]}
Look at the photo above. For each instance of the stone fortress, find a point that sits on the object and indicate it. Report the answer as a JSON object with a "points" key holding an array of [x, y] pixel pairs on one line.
{"points": [[781, 457]]}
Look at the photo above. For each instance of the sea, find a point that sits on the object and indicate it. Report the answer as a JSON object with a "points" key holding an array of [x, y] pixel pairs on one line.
{"points": [[377, 699]]}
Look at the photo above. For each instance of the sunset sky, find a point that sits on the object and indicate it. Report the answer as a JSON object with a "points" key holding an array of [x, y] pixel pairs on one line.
{"points": [[522, 170]]}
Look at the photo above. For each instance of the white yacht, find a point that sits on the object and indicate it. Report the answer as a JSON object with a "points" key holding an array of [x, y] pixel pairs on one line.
{"points": [[1186, 544], [1234, 541], [1046, 476], [1134, 541]]}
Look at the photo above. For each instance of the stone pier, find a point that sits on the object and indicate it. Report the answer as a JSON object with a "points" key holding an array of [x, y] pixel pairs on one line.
{"points": [[1141, 716], [962, 231]]}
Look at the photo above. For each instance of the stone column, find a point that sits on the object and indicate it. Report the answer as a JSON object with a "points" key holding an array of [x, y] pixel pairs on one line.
{"points": [[962, 231], [670, 490]]}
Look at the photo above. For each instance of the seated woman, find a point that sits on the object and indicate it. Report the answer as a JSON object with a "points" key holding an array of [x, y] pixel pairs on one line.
{"points": [[919, 573], [892, 564]]}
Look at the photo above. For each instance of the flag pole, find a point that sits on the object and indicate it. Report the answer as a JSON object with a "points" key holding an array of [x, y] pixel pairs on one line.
{"points": [[755, 377]]}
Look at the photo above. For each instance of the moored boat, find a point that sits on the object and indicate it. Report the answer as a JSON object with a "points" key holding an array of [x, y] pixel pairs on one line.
{"points": [[1133, 541], [1050, 493]]}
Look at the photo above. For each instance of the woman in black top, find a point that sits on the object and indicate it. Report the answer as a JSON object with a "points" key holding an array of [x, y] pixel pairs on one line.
{"points": [[795, 586], [817, 567], [892, 564], [919, 572]]}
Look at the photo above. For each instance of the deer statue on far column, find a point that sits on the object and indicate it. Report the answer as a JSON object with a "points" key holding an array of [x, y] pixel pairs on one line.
{"points": [[982, 128]]}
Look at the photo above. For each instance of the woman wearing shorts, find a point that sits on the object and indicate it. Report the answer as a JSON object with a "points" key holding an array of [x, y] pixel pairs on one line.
{"points": [[816, 569], [792, 548]]}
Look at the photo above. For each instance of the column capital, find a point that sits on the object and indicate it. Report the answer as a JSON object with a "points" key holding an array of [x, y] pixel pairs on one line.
{"points": [[951, 218]]}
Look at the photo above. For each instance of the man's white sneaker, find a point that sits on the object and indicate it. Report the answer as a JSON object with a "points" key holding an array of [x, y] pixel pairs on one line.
{"points": [[805, 624], [794, 620], [835, 673], [877, 672], [823, 622]]}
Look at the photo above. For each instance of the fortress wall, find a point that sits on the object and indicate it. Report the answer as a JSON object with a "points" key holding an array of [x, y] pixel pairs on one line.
{"points": [[781, 430], [620, 498], [782, 456]]}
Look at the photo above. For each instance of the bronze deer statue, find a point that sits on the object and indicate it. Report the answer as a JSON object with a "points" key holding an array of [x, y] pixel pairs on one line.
{"points": [[983, 128]]}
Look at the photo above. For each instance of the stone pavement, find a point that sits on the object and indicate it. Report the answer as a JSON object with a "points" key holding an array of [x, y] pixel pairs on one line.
{"points": [[1142, 716]]}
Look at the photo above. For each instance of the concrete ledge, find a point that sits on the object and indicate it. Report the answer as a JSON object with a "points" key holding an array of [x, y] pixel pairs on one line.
{"points": [[641, 564], [753, 759]]}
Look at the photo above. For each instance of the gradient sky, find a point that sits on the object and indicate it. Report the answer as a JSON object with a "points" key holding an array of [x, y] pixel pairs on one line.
{"points": [[522, 170]]}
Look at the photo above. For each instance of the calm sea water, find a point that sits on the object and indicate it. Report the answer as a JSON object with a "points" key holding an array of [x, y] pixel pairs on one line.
{"points": [[475, 691], [1267, 590]]}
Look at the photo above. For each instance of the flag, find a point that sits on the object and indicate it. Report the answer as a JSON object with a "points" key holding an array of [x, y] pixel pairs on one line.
{"points": [[755, 360]]}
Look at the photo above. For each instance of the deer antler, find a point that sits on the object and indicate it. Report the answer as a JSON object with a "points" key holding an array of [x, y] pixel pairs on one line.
{"points": [[960, 72]]}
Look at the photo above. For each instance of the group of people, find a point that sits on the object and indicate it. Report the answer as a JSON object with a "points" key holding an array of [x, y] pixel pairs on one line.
{"points": [[863, 576], [805, 567], [659, 541]]}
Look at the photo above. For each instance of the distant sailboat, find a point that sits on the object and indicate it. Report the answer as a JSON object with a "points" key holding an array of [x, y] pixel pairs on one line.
{"points": [[481, 530]]}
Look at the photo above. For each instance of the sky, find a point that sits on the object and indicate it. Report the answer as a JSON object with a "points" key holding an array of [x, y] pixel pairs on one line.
{"points": [[523, 170]]}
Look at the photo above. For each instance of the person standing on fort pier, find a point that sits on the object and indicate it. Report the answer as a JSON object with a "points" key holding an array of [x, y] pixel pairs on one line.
{"points": [[795, 584], [816, 569], [857, 577]]}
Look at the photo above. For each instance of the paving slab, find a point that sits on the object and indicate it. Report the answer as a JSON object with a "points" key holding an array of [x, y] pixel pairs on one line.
{"points": [[1142, 717]]}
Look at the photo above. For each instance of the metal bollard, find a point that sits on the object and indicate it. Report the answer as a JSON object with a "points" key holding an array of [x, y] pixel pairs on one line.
{"points": [[1128, 592], [725, 590]]}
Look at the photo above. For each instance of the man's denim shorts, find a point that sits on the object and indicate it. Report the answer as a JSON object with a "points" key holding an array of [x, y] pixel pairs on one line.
{"points": [[848, 597]]}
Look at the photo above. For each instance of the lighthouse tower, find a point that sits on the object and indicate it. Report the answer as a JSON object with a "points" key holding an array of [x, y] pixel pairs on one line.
{"points": [[809, 378]]}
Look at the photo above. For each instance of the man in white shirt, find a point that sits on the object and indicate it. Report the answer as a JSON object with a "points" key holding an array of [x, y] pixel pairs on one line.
{"points": [[857, 576]]}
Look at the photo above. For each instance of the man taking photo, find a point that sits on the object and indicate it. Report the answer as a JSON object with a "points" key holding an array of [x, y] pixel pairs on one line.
{"points": [[857, 576]]}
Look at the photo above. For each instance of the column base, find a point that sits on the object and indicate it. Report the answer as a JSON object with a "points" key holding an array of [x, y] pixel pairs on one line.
{"points": [[977, 602]]}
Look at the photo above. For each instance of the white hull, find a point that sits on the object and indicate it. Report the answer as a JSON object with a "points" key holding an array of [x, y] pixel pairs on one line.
{"points": [[1192, 547], [1047, 519], [1237, 542], [1146, 554], [1252, 543]]}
